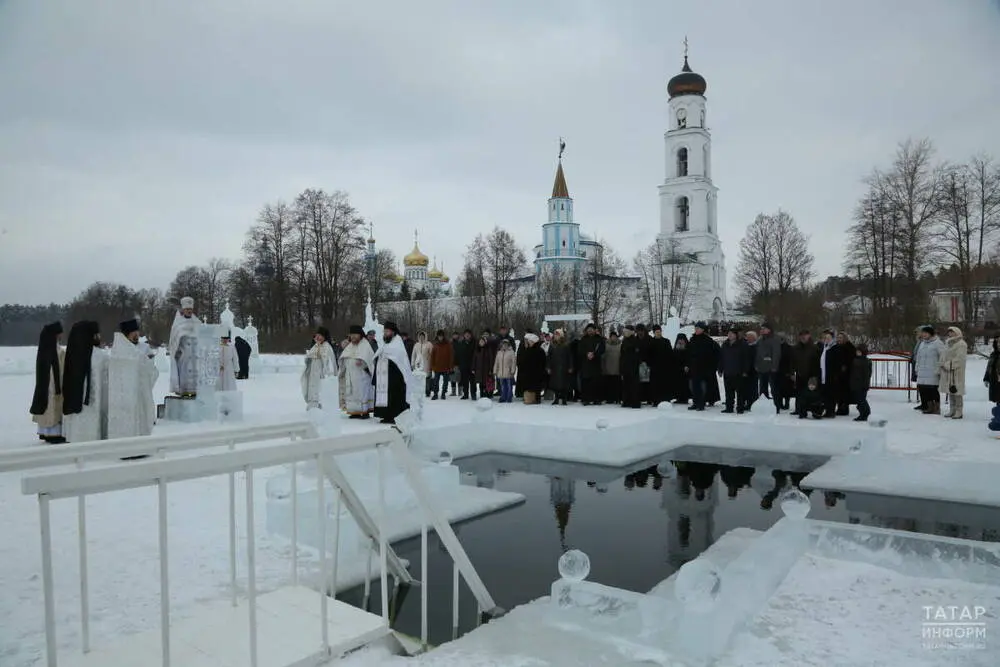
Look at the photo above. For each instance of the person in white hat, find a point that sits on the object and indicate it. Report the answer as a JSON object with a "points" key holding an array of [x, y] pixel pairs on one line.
{"points": [[183, 348]]}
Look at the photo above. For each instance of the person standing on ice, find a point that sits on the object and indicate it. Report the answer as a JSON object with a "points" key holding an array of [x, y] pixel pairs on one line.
{"points": [[393, 377], [320, 361], [531, 367], [228, 365], [953, 372], [504, 367], [861, 379], [85, 385], [442, 357], [420, 360], [703, 363], [131, 378], [46, 403], [587, 365], [768, 365], [559, 368], [357, 363], [611, 382], [991, 378], [628, 364], [183, 348], [927, 367]]}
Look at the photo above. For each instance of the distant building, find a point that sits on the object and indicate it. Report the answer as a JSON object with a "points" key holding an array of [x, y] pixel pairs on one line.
{"points": [[416, 281], [689, 232], [567, 262], [948, 305]]}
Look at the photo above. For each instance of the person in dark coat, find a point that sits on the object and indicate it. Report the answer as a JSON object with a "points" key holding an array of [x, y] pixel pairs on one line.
{"points": [[531, 366], [611, 366], [559, 365], [587, 365], [712, 395], [392, 375], [805, 365], [733, 369], [809, 401], [408, 344], [464, 350], [845, 361], [992, 376], [243, 357], [751, 389], [786, 377], [46, 402], [483, 358], [860, 382], [702, 365], [644, 340], [662, 375], [680, 384], [628, 366]]}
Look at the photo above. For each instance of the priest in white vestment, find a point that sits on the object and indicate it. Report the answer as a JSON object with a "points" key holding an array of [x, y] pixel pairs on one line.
{"points": [[131, 378], [183, 348], [85, 385], [229, 365], [320, 362], [393, 376], [357, 364]]}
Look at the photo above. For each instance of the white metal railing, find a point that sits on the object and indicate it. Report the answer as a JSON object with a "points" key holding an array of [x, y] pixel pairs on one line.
{"points": [[161, 472], [28, 458]]}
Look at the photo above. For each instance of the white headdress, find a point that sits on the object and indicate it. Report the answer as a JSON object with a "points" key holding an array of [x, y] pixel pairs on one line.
{"points": [[187, 302]]}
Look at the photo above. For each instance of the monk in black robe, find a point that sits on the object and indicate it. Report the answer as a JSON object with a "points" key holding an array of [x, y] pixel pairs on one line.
{"points": [[243, 357]]}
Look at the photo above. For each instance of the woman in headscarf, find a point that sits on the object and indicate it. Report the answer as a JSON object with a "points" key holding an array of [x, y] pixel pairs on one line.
{"points": [[46, 404], [85, 385]]}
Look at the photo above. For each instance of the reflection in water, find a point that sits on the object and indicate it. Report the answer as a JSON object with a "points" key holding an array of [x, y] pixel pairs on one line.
{"points": [[637, 525]]}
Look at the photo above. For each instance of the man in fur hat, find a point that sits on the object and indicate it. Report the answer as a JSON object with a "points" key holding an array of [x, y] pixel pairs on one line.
{"points": [[131, 378], [183, 348], [392, 376], [357, 365]]}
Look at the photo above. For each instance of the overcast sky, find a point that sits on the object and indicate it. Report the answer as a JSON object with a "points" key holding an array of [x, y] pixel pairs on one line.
{"points": [[139, 137]]}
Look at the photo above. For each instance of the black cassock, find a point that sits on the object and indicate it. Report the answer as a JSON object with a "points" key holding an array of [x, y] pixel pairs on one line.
{"points": [[243, 355], [397, 392]]}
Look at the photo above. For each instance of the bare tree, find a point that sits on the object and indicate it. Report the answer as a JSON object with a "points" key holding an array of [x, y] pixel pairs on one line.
{"points": [[603, 286], [984, 184], [493, 265], [774, 260], [669, 278], [912, 187]]}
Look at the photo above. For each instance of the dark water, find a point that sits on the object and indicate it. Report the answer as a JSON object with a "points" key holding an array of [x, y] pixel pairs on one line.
{"points": [[636, 525]]}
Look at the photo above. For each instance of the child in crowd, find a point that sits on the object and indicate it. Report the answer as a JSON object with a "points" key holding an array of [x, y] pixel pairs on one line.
{"points": [[811, 399]]}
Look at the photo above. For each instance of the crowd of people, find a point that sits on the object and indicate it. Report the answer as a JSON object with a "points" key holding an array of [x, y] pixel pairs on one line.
{"points": [[637, 366]]}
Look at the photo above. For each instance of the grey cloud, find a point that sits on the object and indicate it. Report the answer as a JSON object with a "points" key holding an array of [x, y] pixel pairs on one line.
{"points": [[133, 141]]}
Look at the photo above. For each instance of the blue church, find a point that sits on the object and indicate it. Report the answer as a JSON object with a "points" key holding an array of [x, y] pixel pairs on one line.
{"points": [[563, 249]]}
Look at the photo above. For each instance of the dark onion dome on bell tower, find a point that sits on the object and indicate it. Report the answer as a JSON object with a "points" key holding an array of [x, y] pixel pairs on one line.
{"points": [[687, 82]]}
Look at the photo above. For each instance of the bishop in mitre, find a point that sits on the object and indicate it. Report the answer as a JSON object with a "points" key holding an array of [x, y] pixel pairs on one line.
{"points": [[183, 349], [85, 385], [131, 378], [393, 376], [357, 365]]}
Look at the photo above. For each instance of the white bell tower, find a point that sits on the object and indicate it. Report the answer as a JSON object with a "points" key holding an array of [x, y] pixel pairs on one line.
{"points": [[688, 220]]}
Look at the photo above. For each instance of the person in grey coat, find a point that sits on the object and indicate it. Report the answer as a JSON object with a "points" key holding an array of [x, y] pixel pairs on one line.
{"points": [[768, 363], [927, 366]]}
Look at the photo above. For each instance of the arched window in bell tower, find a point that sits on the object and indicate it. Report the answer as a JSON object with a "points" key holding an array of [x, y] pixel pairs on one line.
{"points": [[682, 162], [683, 213]]}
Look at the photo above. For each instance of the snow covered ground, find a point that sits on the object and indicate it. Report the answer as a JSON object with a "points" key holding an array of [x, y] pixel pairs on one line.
{"points": [[124, 573]]}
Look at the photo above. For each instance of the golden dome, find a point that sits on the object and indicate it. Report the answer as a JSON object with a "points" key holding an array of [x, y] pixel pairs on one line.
{"points": [[416, 258], [444, 278], [434, 273], [398, 278]]}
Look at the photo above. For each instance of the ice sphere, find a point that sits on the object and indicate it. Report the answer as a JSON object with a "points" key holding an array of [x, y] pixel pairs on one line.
{"points": [[663, 405], [602, 424], [484, 404], [666, 470], [697, 584], [278, 488], [574, 565], [444, 459], [795, 504]]}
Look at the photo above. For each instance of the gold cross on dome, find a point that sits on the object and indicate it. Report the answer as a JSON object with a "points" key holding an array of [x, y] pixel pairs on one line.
{"points": [[685, 46]]}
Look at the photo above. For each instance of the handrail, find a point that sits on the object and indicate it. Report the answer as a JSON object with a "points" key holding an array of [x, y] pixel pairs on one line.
{"points": [[28, 458], [322, 450], [148, 473]]}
